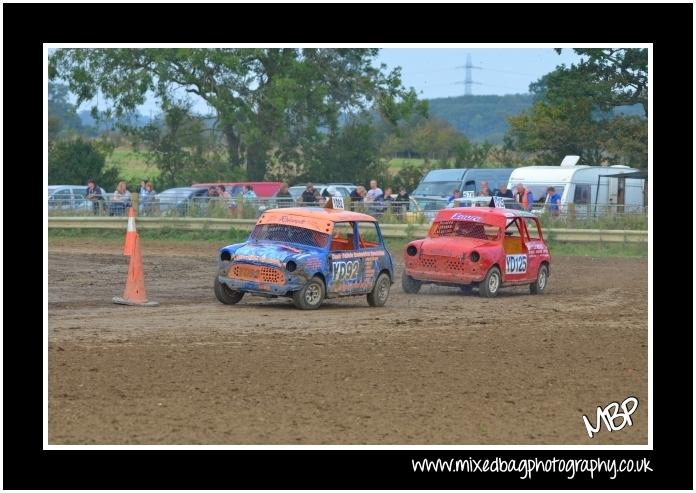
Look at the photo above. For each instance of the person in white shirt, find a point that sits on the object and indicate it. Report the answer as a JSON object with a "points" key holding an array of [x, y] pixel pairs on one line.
{"points": [[374, 193]]}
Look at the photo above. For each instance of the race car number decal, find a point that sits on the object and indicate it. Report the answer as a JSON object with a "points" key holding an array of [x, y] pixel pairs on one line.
{"points": [[345, 270], [515, 264]]}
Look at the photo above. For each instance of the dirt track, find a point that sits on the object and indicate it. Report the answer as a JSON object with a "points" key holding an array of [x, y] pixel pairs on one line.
{"points": [[436, 368]]}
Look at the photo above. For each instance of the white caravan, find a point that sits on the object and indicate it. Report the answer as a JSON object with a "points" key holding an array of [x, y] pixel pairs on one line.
{"points": [[593, 189]]}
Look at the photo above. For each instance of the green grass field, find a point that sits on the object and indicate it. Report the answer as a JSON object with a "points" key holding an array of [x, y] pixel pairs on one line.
{"points": [[131, 165], [594, 249], [395, 165]]}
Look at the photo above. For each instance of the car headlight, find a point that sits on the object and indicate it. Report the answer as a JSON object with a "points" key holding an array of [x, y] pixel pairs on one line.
{"points": [[291, 266]]}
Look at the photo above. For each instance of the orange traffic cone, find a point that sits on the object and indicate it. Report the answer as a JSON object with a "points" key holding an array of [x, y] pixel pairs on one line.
{"points": [[134, 294]]}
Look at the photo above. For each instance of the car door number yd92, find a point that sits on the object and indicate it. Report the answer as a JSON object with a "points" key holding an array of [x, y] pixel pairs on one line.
{"points": [[345, 270], [515, 264]]}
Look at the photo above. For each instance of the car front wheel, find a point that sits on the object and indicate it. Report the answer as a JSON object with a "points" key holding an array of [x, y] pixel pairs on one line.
{"points": [[488, 288], [310, 296], [226, 295], [409, 284]]}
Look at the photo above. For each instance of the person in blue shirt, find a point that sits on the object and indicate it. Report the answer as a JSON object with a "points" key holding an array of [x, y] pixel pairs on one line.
{"points": [[554, 200], [249, 193], [457, 194]]}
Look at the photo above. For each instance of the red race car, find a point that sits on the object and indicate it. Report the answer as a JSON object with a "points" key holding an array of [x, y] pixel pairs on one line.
{"points": [[482, 247]]}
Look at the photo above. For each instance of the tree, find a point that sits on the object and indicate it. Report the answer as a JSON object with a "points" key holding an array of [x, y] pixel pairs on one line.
{"points": [[618, 76], [62, 115], [76, 161], [269, 103], [573, 111], [351, 154]]}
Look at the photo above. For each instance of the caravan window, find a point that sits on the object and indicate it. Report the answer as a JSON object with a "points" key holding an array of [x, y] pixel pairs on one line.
{"points": [[582, 194], [539, 190]]}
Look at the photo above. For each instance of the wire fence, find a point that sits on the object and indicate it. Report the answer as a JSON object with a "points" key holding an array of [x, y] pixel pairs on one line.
{"points": [[587, 216]]}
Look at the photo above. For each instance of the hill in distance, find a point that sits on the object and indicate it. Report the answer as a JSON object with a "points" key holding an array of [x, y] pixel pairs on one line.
{"points": [[484, 118]]}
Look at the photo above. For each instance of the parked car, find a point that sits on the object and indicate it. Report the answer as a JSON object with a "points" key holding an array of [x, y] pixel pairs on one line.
{"points": [[307, 254], [70, 198], [178, 201], [481, 247], [262, 189], [343, 188]]}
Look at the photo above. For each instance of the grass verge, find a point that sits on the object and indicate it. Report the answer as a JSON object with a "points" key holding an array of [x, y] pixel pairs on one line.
{"points": [[593, 249]]}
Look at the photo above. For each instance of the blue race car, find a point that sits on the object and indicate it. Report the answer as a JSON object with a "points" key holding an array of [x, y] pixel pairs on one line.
{"points": [[308, 254]]}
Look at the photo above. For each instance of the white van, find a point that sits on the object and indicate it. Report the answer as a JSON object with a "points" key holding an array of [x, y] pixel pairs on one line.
{"points": [[593, 189]]}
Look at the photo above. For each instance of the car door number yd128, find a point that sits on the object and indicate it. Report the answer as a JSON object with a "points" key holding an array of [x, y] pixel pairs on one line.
{"points": [[345, 270], [515, 264]]}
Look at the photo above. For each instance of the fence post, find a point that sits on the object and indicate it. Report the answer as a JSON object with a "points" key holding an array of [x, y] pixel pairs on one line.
{"points": [[571, 215]]}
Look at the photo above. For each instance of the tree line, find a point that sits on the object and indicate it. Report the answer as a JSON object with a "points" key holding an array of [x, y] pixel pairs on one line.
{"points": [[325, 115]]}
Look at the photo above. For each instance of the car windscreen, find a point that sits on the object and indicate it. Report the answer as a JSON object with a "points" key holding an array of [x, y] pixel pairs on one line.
{"points": [[465, 229], [441, 188], [289, 234]]}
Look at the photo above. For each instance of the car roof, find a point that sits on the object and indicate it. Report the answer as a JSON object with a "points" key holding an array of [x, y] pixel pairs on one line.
{"points": [[316, 218], [489, 215]]}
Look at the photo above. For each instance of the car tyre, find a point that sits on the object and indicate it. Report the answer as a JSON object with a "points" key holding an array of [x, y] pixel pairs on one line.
{"points": [[226, 295], [379, 294], [489, 287], [539, 286], [409, 284], [311, 296]]}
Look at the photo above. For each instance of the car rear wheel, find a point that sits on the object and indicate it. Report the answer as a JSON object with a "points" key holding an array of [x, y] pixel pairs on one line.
{"points": [[488, 288], [226, 295], [380, 293], [310, 296], [539, 286], [409, 284]]}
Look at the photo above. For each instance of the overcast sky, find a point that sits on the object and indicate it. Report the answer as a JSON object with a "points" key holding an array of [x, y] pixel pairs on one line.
{"points": [[439, 72]]}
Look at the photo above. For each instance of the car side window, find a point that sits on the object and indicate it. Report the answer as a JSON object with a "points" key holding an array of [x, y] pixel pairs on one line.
{"points": [[368, 235], [532, 228], [342, 237]]}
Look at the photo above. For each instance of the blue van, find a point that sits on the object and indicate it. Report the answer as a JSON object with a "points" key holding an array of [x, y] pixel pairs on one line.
{"points": [[432, 191]]}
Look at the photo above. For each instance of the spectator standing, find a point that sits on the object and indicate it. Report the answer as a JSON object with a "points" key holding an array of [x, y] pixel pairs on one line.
{"points": [[503, 191], [307, 196], [121, 200], [554, 201], [375, 193], [249, 193], [357, 196], [283, 196], [484, 191], [141, 194], [148, 199], [94, 194], [456, 194], [223, 193], [403, 198], [524, 196]]}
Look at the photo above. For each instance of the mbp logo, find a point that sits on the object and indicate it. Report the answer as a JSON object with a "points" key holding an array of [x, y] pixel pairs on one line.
{"points": [[609, 414]]}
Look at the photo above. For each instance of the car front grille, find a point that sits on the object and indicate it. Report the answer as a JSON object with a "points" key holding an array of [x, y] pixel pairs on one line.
{"points": [[257, 273]]}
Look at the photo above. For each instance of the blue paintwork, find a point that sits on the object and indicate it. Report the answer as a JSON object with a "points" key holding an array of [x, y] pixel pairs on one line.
{"points": [[344, 272]]}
